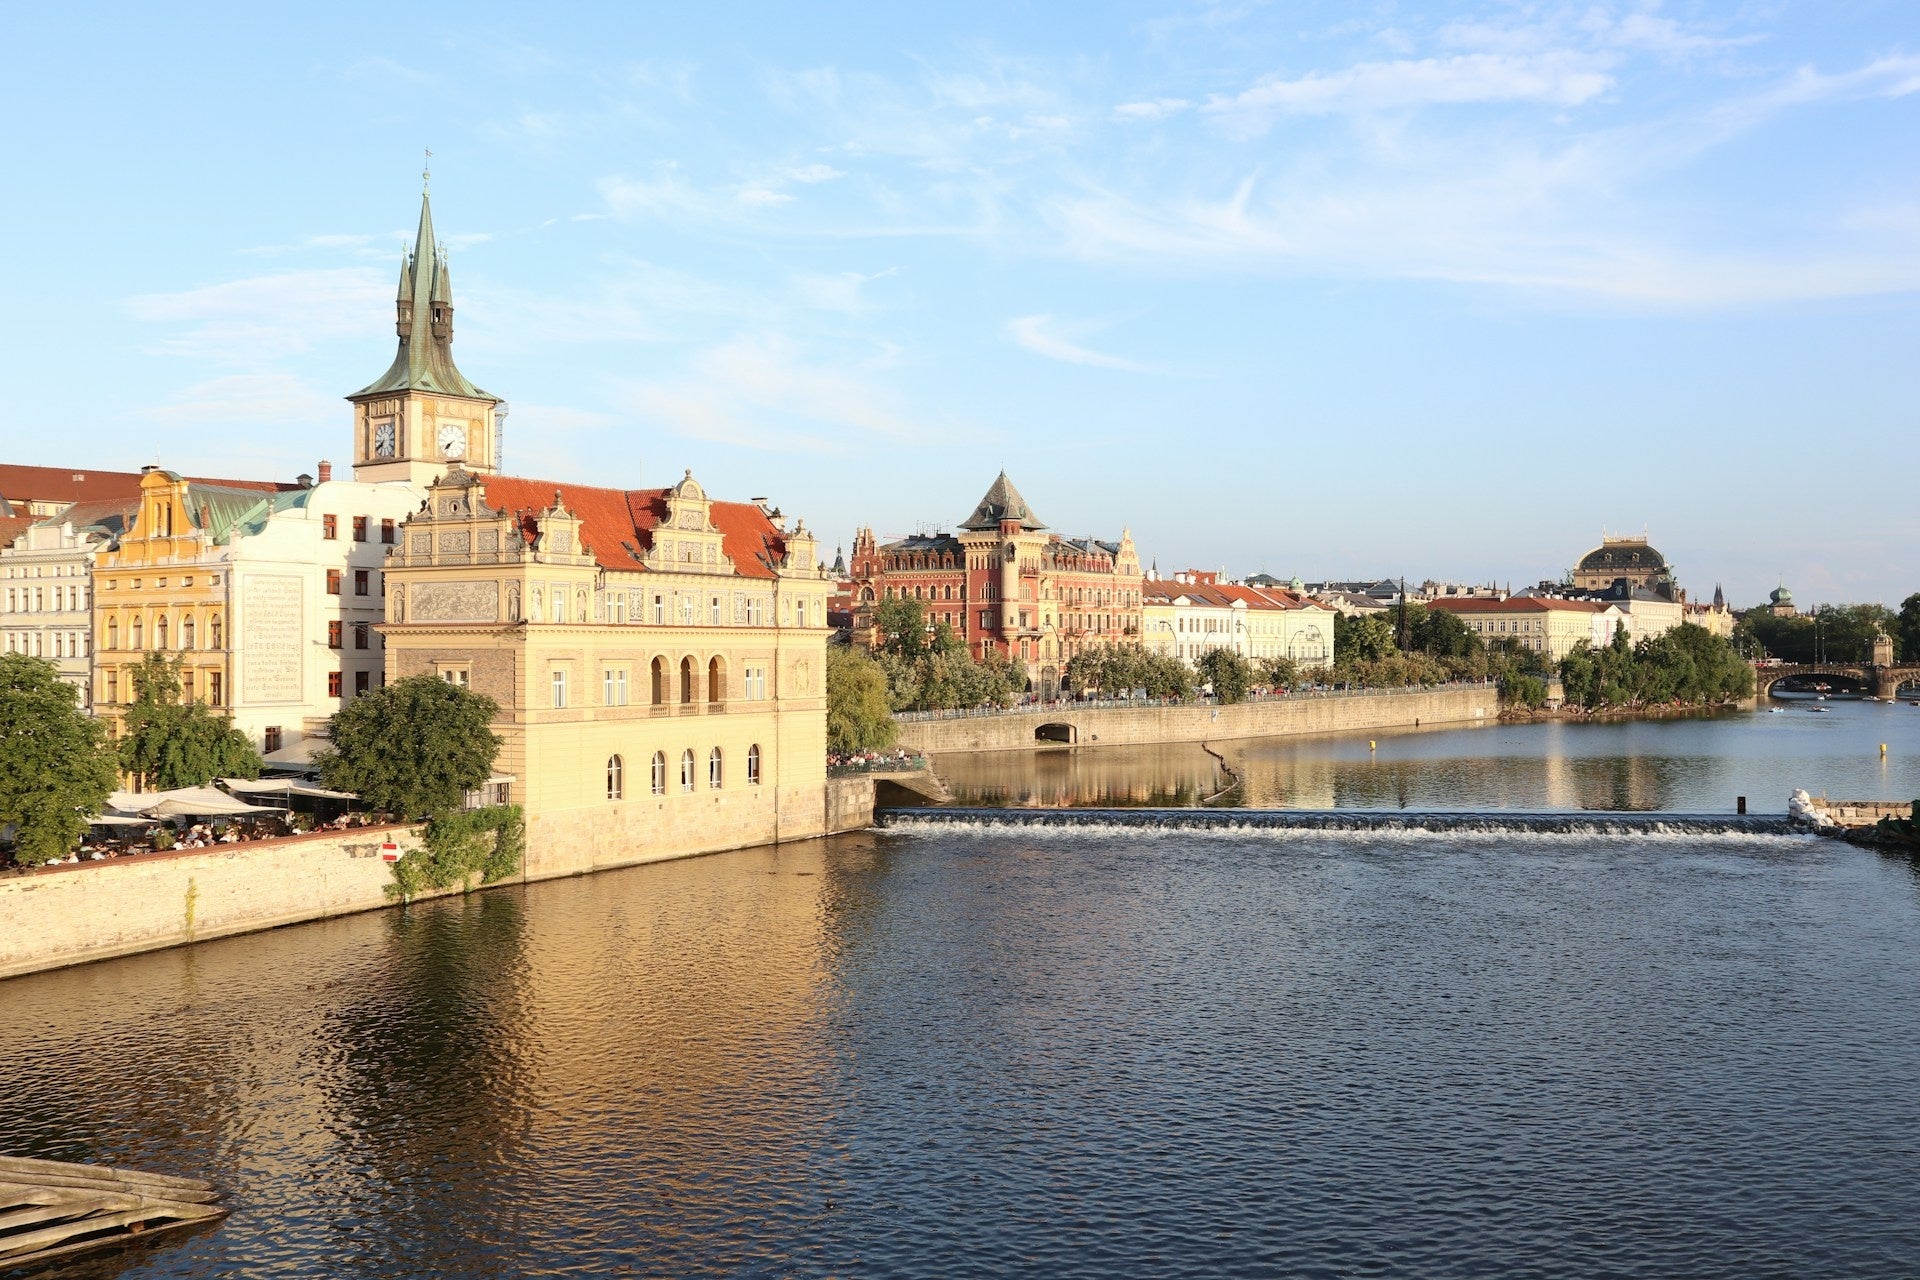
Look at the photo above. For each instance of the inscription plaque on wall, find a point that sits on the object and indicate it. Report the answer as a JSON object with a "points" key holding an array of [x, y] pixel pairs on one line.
{"points": [[454, 602], [271, 637]]}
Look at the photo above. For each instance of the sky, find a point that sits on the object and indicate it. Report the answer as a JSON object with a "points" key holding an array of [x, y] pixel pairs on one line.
{"points": [[1340, 290]]}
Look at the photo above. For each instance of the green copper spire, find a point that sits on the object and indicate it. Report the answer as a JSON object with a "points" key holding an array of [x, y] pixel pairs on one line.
{"points": [[424, 310]]}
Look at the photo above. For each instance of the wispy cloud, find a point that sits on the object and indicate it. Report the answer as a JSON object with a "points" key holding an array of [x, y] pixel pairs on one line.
{"points": [[1562, 78], [265, 317], [281, 399], [1152, 109], [759, 391], [1038, 334]]}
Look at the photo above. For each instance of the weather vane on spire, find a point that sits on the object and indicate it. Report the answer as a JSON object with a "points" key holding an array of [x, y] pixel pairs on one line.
{"points": [[426, 172]]}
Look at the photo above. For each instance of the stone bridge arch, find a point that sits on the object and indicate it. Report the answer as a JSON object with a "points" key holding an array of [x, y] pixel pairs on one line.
{"points": [[1058, 732]]}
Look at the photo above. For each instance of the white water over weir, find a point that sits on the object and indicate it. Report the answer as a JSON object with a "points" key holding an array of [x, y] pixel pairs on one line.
{"points": [[1255, 821]]}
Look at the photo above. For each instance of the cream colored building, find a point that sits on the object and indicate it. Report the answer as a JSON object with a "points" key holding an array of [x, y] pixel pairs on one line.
{"points": [[46, 587], [1193, 612], [269, 599], [659, 658], [1545, 624]]}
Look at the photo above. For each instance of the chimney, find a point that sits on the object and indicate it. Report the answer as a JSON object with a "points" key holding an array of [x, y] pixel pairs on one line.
{"points": [[326, 471]]}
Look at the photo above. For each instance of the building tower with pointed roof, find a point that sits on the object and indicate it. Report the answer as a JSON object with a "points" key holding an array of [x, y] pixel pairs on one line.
{"points": [[422, 415]]}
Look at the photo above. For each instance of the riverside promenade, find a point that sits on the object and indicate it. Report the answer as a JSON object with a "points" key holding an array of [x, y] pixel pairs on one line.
{"points": [[1134, 723]]}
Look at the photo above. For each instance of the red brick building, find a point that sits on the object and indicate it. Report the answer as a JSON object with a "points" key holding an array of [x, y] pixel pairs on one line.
{"points": [[1006, 582]]}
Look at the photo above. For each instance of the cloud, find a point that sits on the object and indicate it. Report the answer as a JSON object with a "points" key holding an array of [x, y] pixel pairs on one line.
{"points": [[1034, 333], [260, 399], [760, 392], [812, 173], [263, 317], [1154, 109], [758, 194], [1559, 78], [837, 291]]}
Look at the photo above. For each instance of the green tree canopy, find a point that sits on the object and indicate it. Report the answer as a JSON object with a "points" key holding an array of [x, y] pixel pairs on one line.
{"points": [[56, 766], [1835, 632], [1906, 630], [902, 626], [1118, 670], [413, 748], [1686, 664], [1439, 633], [167, 743], [1230, 674], [858, 710], [1361, 638]]}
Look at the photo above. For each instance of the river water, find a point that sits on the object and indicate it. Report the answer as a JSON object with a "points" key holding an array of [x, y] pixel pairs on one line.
{"points": [[1005, 1051]]}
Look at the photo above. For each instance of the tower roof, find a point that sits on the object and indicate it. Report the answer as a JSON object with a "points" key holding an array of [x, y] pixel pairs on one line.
{"points": [[424, 361], [1002, 502]]}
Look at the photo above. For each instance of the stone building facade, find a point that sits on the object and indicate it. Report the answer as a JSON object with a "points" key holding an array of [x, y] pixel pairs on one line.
{"points": [[1007, 583], [46, 576], [659, 658]]}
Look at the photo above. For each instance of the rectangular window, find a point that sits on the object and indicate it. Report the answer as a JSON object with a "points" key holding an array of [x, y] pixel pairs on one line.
{"points": [[559, 689], [454, 675], [333, 582], [659, 610], [613, 687], [361, 680], [330, 527], [986, 618], [756, 684], [272, 738], [214, 690], [333, 634], [361, 634], [386, 532], [714, 617], [359, 528], [361, 581], [333, 684]]}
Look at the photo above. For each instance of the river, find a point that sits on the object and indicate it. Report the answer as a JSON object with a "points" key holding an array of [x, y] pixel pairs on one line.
{"points": [[1003, 1051]]}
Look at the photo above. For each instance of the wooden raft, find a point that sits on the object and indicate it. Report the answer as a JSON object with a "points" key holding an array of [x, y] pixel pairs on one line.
{"points": [[50, 1210]]}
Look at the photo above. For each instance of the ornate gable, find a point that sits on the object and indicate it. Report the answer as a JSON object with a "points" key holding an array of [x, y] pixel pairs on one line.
{"points": [[687, 541]]}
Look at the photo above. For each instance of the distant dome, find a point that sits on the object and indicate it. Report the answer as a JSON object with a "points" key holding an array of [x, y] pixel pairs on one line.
{"points": [[1780, 595], [1623, 556], [1296, 586]]}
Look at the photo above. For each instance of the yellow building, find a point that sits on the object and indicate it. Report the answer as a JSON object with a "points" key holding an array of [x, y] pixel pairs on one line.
{"points": [[659, 659]]}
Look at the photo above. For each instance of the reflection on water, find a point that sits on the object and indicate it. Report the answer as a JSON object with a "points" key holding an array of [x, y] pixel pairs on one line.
{"points": [[1016, 1053], [1695, 763]]}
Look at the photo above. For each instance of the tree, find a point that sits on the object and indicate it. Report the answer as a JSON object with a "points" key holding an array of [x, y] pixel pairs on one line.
{"points": [[1906, 630], [902, 626], [1279, 673], [56, 766], [167, 743], [413, 748], [858, 713], [1361, 638], [1230, 674], [1440, 633]]}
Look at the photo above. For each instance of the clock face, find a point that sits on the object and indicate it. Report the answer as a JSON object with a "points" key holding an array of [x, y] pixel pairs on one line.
{"points": [[453, 440], [383, 440]]}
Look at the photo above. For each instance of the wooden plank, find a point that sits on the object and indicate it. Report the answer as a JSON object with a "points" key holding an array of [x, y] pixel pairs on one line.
{"points": [[12, 1246], [68, 1250], [77, 1182], [66, 1209], [101, 1172]]}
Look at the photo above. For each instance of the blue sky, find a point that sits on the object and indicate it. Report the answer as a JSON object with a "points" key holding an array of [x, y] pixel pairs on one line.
{"points": [[1329, 289]]}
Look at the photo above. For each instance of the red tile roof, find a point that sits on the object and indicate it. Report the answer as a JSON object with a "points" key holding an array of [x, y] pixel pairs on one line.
{"points": [[1514, 604], [617, 524], [12, 527], [25, 484]]}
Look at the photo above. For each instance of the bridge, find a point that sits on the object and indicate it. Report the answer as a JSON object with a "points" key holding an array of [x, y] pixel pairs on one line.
{"points": [[1884, 681]]}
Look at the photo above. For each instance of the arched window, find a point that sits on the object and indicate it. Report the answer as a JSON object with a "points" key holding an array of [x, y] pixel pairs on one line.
{"points": [[686, 681], [160, 632], [753, 765], [186, 632], [113, 633], [716, 680], [616, 780], [659, 682], [686, 769], [216, 626], [659, 773], [716, 769], [137, 638]]}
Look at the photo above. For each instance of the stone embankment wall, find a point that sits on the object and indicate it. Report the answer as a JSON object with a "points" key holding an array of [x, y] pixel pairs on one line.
{"points": [[1386, 709], [74, 913], [94, 910], [1861, 813]]}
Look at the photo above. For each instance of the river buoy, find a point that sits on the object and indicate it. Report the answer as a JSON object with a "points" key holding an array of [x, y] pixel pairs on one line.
{"points": [[1883, 751], [1370, 745]]}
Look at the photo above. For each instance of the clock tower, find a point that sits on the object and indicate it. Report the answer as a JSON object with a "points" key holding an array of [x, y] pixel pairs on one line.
{"points": [[422, 415]]}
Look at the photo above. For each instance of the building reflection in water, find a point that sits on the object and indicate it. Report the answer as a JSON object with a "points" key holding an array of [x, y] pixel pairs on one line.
{"points": [[1496, 767]]}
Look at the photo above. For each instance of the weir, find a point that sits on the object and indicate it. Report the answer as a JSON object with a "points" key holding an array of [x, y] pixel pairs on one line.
{"points": [[1586, 823]]}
